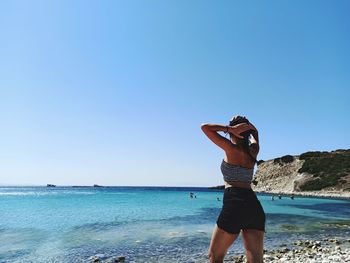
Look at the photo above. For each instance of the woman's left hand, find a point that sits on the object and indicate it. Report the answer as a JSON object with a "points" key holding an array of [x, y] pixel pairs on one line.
{"points": [[239, 128]]}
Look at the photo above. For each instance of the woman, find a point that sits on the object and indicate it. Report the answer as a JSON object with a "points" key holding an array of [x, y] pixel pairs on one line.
{"points": [[241, 209]]}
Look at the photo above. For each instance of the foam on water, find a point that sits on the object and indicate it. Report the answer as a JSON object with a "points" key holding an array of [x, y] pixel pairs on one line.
{"points": [[143, 224]]}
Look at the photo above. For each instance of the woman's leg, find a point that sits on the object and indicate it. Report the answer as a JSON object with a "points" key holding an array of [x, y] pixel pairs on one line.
{"points": [[219, 244], [253, 241]]}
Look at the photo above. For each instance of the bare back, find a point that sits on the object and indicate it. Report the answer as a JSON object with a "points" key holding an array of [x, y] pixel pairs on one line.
{"points": [[235, 155]]}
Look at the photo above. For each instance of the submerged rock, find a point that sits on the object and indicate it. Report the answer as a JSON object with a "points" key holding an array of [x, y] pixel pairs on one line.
{"points": [[97, 258]]}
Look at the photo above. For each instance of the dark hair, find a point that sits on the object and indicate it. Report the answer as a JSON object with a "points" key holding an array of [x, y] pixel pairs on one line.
{"points": [[242, 143], [238, 119]]}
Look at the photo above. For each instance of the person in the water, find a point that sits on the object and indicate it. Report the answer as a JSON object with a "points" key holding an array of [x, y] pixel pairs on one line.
{"points": [[241, 211]]}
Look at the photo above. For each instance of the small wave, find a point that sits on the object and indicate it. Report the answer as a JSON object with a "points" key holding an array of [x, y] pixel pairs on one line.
{"points": [[43, 193], [22, 193]]}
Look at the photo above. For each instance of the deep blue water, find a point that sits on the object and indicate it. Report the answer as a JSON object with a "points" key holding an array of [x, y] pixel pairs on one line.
{"points": [[65, 224]]}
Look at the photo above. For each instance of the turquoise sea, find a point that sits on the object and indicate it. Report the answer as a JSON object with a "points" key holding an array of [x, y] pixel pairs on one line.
{"points": [[144, 224]]}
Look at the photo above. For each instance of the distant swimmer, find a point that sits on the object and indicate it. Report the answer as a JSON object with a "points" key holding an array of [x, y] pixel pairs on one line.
{"points": [[292, 197], [279, 196], [195, 196], [273, 198], [191, 195], [218, 199]]}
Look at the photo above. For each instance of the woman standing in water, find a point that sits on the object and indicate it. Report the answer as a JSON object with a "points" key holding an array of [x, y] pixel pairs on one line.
{"points": [[241, 210]]}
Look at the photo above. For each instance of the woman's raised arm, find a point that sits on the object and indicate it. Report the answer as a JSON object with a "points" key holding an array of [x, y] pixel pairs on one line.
{"points": [[211, 131]]}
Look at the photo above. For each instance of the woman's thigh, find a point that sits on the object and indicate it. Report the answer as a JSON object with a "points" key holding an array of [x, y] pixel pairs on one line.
{"points": [[220, 242], [253, 241]]}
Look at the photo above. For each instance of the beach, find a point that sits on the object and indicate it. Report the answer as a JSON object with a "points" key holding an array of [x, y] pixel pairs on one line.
{"points": [[155, 224], [327, 250]]}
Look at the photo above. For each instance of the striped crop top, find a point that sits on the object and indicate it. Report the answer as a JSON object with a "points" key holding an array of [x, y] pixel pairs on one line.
{"points": [[236, 173]]}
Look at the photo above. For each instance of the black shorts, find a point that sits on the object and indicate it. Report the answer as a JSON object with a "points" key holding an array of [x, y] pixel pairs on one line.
{"points": [[241, 210]]}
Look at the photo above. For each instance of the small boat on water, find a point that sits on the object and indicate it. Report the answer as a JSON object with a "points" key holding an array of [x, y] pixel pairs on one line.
{"points": [[96, 185], [50, 185]]}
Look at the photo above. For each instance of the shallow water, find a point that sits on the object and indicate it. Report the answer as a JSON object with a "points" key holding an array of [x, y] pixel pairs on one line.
{"points": [[65, 224]]}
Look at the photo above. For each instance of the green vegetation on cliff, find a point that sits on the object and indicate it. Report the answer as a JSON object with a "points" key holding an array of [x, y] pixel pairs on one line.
{"points": [[327, 168]]}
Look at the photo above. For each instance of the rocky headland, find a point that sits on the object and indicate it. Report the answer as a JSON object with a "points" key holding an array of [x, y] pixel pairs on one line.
{"points": [[321, 174]]}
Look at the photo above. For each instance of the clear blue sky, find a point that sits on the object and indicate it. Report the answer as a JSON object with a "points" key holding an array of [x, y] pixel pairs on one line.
{"points": [[114, 92]]}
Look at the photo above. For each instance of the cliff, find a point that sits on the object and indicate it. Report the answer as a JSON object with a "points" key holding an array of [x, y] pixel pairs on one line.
{"points": [[310, 171]]}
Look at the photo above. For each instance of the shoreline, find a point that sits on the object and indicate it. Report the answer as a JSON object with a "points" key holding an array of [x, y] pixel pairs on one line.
{"points": [[327, 250], [312, 194]]}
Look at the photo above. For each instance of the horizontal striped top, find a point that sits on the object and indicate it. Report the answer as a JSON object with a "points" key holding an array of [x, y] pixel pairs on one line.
{"points": [[236, 173]]}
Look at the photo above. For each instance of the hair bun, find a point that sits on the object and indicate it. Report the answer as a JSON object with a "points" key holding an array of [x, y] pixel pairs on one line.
{"points": [[238, 120]]}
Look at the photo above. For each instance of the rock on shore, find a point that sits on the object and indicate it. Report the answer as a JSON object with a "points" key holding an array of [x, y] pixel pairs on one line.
{"points": [[307, 251]]}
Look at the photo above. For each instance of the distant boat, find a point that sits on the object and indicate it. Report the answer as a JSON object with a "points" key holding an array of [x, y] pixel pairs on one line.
{"points": [[96, 185], [50, 185]]}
